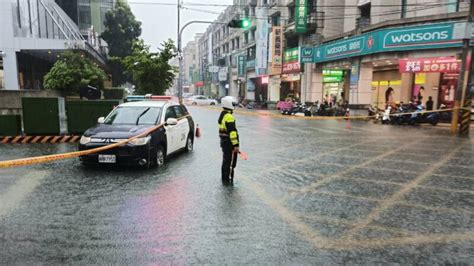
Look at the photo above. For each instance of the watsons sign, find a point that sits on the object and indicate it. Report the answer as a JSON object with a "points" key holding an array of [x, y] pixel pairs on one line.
{"points": [[352, 46], [441, 35], [422, 36]]}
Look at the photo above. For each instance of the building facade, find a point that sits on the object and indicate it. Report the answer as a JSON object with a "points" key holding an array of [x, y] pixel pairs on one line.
{"points": [[34, 34], [366, 52], [389, 52]]}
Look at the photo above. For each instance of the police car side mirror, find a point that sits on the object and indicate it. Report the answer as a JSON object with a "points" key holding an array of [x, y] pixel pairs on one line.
{"points": [[171, 121], [101, 120]]}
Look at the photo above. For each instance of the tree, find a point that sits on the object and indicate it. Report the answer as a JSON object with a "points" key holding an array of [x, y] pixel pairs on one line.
{"points": [[151, 71], [121, 31], [72, 71]]}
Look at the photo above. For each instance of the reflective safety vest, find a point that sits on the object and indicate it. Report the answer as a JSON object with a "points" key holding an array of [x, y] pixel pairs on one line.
{"points": [[227, 128]]}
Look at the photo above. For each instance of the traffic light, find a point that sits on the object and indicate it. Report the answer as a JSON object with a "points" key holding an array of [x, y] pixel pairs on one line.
{"points": [[240, 23]]}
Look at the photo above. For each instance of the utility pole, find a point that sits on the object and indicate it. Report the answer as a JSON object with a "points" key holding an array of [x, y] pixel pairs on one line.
{"points": [[464, 89], [180, 56]]}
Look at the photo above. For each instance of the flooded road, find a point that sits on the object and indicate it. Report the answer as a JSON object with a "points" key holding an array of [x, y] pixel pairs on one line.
{"points": [[312, 192]]}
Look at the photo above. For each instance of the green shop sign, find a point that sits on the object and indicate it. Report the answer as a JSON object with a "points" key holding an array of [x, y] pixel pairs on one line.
{"points": [[332, 79], [291, 55], [301, 16], [307, 54], [329, 72], [441, 35]]}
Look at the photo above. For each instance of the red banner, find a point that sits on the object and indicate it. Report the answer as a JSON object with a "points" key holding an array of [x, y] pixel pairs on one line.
{"points": [[291, 67], [199, 84], [430, 65]]}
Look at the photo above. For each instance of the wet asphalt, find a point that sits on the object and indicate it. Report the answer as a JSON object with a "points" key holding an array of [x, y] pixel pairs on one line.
{"points": [[312, 192]]}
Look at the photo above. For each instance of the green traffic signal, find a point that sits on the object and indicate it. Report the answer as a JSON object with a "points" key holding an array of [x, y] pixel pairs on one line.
{"points": [[245, 23], [240, 23]]}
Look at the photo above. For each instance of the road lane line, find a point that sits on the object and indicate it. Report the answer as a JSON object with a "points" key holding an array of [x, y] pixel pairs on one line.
{"points": [[23, 187], [339, 174], [398, 196]]}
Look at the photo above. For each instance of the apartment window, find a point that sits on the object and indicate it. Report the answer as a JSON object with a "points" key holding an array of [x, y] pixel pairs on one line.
{"points": [[364, 19], [237, 43], [252, 35], [246, 11], [404, 9], [84, 17], [246, 37], [252, 11], [365, 10], [251, 52], [276, 20], [453, 6], [312, 6], [291, 10]]}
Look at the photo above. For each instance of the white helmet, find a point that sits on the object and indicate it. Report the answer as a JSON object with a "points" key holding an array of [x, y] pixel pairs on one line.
{"points": [[227, 103]]}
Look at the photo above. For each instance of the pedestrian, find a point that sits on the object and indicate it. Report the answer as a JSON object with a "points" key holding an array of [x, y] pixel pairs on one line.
{"points": [[229, 138], [429, 104], [421, 92]]}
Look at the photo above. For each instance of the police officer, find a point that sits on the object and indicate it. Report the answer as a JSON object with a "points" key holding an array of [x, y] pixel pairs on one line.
{"points": [[229, 139]]}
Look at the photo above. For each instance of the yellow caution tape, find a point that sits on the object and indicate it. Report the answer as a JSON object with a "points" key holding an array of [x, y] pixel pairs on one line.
{"points": [[62, 156]]}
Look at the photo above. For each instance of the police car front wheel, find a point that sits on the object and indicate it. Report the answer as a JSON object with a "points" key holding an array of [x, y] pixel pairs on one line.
{"points": [[160, 157], [189, 144]]}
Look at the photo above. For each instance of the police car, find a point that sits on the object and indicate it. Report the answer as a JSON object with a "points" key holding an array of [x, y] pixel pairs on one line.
{"points": [[138, 115]]}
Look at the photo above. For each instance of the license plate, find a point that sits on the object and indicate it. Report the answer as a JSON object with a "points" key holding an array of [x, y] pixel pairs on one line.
{"points": [[107, 158]]}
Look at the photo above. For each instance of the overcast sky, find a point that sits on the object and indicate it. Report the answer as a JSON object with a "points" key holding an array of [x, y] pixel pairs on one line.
{"points": [[159, 22]]}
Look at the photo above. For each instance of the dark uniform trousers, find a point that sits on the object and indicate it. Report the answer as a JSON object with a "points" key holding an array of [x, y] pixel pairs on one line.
{"points": [[228, 159]]}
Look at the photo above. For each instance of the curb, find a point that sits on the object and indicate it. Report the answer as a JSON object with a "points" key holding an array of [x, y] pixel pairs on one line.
{"points": [[38, 139]]}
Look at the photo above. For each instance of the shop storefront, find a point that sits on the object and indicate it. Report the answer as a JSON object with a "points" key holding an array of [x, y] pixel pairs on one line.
{"points": [[291, 77], [333, 85], [433, 77], [400, 64]]}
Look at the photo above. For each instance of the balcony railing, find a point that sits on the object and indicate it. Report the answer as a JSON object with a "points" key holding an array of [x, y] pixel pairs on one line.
{"points": [[362, 22], [43, 19]]}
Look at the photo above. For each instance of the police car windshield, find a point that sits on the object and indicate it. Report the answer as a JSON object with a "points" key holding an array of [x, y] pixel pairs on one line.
{"points": [[134, 116]]}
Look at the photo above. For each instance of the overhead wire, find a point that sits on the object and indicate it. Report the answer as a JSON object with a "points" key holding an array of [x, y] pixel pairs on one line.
{"points": [[279, 5], [375, 14]]}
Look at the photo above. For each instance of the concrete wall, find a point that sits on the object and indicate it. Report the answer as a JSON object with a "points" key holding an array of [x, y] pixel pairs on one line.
{"points": [[10, 100], [334, 17], [351, 12]]}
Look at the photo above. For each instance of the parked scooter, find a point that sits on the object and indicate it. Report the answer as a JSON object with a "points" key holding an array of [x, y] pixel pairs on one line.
{"points": [[425, 118], [374, 113], [386, 119]]}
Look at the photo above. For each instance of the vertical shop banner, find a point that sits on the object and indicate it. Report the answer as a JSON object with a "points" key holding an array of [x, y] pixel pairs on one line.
{"points": [[291, 60], [427, 65], [301, 16], [241, 65], [250, 85], [262, 42], [355, 71], [222, 75], [277, 51]]}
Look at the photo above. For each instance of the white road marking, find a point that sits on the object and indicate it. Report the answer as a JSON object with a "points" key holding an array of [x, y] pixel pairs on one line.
{"points": [[15, 194]]}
